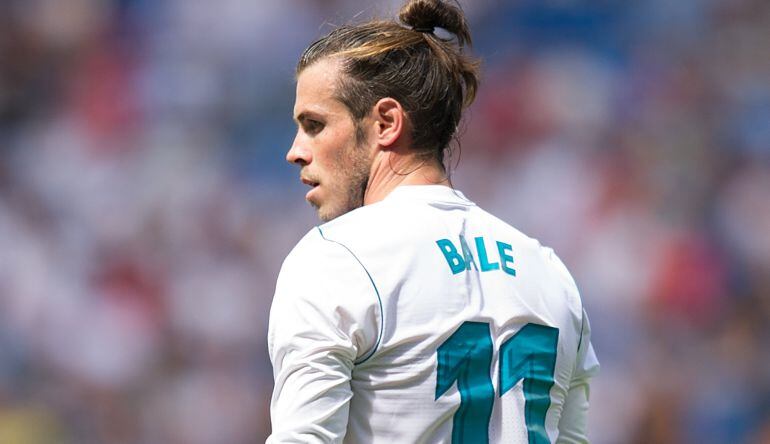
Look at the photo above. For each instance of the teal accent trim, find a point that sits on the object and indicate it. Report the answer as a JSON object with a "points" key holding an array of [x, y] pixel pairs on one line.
{"points": [[506, 259], [377, 292], [453, 258], [483, 258], [465, 358], [467, 254], [531, 355]]}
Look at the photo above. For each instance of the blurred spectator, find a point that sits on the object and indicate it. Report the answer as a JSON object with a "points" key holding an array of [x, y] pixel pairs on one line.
{"points": [[145, 205]]}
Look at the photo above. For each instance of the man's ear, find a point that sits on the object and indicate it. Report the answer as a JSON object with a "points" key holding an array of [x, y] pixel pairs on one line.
{"points": [[389, 120]]}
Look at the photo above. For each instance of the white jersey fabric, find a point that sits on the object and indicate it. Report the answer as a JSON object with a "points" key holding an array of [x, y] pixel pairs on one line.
{"points": [[424, 319]]}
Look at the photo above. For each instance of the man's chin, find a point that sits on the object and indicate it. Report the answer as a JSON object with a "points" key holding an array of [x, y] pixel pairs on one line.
{"points": [[327, 213], [323, 211]]}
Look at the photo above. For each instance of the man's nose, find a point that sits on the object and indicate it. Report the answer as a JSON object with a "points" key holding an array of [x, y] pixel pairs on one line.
{"points": [[299, 154]]}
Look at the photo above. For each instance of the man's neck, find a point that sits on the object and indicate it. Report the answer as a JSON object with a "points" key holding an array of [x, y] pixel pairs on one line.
{"points": [[390, 170]]}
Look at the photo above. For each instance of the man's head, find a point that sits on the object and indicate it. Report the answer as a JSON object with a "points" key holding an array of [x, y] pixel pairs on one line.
{"points": [[343, 79], [330, 146]]}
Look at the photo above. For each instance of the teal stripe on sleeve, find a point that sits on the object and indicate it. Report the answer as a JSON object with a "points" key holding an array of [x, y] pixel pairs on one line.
{"points": [[376, 291]]}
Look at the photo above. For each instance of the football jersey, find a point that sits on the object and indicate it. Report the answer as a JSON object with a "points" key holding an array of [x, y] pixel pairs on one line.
{"points": [[424, 319]]}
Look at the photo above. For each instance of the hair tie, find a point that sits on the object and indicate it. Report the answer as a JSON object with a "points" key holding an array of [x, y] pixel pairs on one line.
{"points": [[426, 29]]}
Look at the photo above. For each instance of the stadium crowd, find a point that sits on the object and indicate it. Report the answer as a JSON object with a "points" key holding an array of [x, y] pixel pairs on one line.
{"points": [[145, 204]]}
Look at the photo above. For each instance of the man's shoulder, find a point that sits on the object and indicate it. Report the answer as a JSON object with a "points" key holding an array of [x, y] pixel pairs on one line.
{"points": [[317, 264], [373, 224], [326, 248], [313, 250], [309, 243], [312, 258]]}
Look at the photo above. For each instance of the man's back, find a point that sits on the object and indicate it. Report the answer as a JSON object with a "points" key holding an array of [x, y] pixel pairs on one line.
{"points": [[422, 318]]}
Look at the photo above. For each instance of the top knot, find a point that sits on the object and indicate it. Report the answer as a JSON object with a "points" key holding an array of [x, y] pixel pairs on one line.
{"points": [[427, 15]]}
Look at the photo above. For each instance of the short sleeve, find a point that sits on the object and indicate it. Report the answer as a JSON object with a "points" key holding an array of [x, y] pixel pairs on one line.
{"points": [[324, 318]]}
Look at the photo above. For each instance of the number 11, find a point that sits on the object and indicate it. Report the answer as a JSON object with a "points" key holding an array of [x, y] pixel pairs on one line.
{"points": [[466, 358]]}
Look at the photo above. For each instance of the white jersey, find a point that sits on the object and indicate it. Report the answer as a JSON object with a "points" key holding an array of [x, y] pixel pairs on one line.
{"points": [[424, 319]]}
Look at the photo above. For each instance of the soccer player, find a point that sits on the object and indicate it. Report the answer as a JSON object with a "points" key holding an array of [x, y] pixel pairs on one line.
{"points": [[411, 315]]}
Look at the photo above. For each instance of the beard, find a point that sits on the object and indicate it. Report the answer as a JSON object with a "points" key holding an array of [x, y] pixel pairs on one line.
{"points": [[351, 179]]}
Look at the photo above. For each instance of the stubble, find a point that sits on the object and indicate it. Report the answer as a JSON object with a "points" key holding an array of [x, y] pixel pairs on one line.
{"points": [[352, 167]]}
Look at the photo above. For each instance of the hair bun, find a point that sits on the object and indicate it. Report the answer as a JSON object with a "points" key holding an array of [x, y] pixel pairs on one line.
{"points": [[428, 14]]}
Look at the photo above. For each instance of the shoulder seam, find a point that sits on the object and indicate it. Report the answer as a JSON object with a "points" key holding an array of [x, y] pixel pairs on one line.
{"points": [[376, 292]]}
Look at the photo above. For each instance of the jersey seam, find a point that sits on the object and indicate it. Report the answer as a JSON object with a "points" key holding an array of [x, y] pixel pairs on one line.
{"points": [[376, 292], [582, 324]]}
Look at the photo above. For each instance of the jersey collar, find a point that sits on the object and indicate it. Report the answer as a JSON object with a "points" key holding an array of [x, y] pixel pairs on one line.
{"points": [[436, 193]]}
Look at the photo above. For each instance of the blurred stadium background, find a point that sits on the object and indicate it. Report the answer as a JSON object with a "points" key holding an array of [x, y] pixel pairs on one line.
{"points": [[145, 206]]}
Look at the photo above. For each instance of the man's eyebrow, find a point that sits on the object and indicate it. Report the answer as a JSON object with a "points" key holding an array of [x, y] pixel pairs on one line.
{"points": [[307, 115], [300, 117]]}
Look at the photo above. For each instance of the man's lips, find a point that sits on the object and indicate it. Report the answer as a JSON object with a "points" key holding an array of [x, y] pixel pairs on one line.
{"points": [[307, 181], [313, 186]]}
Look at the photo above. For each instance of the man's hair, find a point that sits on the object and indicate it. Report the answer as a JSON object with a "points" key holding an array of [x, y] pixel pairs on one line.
{"points": [[428, 75]]}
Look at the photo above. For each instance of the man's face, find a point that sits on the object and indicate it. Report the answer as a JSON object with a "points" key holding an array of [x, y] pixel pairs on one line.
{"points": [[331, 160]]}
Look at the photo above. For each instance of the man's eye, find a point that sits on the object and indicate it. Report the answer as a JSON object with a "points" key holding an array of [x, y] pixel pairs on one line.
{"points": [[313, 126]]}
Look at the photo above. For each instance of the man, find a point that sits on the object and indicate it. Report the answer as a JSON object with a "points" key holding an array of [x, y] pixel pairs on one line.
{"points": [[411, 315]]}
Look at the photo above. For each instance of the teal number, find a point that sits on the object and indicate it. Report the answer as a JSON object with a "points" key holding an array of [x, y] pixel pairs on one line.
{"points": [[531, 355], [466, 358]]}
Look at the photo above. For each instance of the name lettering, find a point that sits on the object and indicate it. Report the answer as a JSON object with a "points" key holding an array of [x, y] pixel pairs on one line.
{"points": [[462, 258]]}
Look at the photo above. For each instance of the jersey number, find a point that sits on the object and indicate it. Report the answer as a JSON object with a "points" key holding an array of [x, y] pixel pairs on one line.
{"points": [[466, 358]]}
